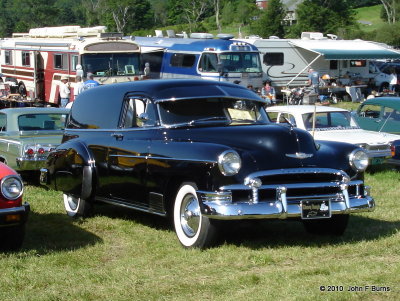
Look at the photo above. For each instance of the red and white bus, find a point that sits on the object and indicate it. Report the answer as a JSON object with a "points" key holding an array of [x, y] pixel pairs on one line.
{"points": [[33, 63]]}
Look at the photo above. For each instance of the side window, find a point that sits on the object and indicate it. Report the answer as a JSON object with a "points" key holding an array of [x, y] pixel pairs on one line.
{"points": [[60, 61], [286, 118], [74, 62], [182, 60], [139, 112], [370, 111], [8, 57], [3, 123], [208, 62], [273, 59], [26, 58], [391, 114]]}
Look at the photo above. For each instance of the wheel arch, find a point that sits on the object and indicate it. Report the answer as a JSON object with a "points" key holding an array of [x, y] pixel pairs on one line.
{"points": [[77, 174]]}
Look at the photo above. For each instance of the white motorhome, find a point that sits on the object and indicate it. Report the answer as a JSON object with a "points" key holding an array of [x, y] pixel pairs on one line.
{"points": [[286, 61]]}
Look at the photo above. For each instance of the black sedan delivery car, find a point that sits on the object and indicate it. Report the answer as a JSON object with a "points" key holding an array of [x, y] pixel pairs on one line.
{"points": [[201, 152]]}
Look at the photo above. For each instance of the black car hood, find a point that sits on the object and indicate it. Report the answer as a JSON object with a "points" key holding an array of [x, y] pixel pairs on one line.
{"points": [[270, 146]]}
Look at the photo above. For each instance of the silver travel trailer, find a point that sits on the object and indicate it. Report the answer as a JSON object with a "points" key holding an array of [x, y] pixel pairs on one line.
{"points": [[286, 61]]}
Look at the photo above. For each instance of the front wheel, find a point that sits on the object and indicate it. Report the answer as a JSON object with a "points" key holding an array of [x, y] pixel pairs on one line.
{"points": [[192, 228], [76, 206], [336, 225]]}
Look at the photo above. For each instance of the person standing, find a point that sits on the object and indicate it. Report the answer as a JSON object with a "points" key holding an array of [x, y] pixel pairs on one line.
{"points": [[78, 87], [64, 91], [313, 80], [90, 82], [393, 81]]}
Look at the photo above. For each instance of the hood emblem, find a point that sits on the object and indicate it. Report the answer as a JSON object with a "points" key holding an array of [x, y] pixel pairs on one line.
{"points": [[299, 155]]}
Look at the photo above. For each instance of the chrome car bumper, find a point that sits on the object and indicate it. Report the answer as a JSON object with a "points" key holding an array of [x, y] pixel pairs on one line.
{"points": [[27, 164], [256, 200], [15, 215]]}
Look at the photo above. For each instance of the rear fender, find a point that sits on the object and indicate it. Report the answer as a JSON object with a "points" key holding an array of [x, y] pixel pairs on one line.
{"points": [[73, 169]]}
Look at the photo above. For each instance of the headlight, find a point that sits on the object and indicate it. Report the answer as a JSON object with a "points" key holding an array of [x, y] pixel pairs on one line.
{"points": [[11, 187], [359, 160], [229, 163]]}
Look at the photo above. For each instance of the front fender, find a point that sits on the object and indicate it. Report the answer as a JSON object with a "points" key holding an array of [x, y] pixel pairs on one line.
{"points": [[71, 169], [332, 154]]}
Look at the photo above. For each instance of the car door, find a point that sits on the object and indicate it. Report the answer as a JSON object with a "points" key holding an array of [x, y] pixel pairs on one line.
{"points": [[128, 152], [369, 117]]}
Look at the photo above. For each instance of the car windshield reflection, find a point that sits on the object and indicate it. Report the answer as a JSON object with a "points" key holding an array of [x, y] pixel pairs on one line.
{"points": [[210, 111]]}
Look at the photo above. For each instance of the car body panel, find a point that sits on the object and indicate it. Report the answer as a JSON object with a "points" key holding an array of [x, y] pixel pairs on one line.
{"points": [[33, 127]]}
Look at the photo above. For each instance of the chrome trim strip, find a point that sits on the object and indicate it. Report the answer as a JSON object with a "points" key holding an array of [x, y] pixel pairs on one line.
{"points": [[163, 158], [127, 205]]}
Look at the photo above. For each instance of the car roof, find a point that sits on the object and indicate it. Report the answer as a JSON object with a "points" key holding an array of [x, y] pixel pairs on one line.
{"points": [[393, 102], [302, 109], [173, 89]]}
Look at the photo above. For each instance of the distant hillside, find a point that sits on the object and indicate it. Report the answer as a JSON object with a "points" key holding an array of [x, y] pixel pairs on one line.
{"points": [[369, 17]]}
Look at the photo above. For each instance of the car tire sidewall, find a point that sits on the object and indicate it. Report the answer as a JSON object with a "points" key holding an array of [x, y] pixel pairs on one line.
{"points": [[83, 207], [184, 190]]}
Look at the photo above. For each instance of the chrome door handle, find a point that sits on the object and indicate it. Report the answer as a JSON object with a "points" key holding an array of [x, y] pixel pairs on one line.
{"points": [[117, 136]]}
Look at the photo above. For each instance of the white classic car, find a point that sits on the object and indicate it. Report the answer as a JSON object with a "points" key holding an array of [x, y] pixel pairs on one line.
{"points": [[335, 124]]}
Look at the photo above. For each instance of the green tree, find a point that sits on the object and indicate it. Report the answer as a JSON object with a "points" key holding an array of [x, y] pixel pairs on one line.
{"points": [[326, 16], [390, 10], [270, 23], [126, 16], [389, 34], [246, 10], [228, 10]]}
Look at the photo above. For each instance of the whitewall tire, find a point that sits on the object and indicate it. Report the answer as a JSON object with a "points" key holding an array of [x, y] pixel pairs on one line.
{"points": [[192, 228]]}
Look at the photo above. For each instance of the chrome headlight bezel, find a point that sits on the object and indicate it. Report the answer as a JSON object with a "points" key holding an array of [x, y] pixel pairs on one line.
{"points": [[229, 163], [359, 160], [12, 187]]}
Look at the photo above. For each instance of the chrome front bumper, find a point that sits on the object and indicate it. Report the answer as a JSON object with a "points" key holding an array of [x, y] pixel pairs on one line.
{"points": [[287, 198]]}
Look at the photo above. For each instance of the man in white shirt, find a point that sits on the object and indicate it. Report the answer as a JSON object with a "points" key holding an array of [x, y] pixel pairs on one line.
{"points": [[79, 87], [64, 91]]}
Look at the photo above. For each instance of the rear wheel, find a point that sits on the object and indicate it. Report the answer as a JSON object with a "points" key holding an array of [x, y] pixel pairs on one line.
{"points": [[336, 225], [76, 206], [192, 228]]}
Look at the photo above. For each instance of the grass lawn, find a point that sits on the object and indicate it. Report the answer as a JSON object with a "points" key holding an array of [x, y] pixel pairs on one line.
{"points": [[370, 14], [125, 255]]}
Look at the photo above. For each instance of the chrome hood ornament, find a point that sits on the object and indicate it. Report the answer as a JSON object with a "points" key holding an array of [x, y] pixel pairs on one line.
{"points": [[299, 155]]}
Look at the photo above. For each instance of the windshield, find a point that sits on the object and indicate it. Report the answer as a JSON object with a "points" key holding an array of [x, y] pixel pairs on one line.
{"points": [[330, 121], [193, 112], [35, 122], [111, 64], [231, 62]]}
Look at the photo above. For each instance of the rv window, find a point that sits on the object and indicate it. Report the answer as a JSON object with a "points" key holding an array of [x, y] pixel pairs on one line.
{"points": [[74, 62], [8, 57], [358, 63], [60, 61], [26, 59], [333, 65], [183, 60], [208, 62], [273, 58]]}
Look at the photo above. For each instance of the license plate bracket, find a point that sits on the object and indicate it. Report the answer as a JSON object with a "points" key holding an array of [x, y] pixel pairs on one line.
{"points": [[315, 209]]}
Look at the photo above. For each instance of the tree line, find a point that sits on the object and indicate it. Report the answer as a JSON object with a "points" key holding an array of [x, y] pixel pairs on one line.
{"points": [[140, 17]]}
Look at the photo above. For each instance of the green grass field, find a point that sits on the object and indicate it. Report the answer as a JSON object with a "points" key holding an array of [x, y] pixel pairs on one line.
{"points": [[370, 14], [124, 255]]}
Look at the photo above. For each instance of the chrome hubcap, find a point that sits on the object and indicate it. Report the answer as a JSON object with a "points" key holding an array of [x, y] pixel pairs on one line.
{"points": [[190, 215]]}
